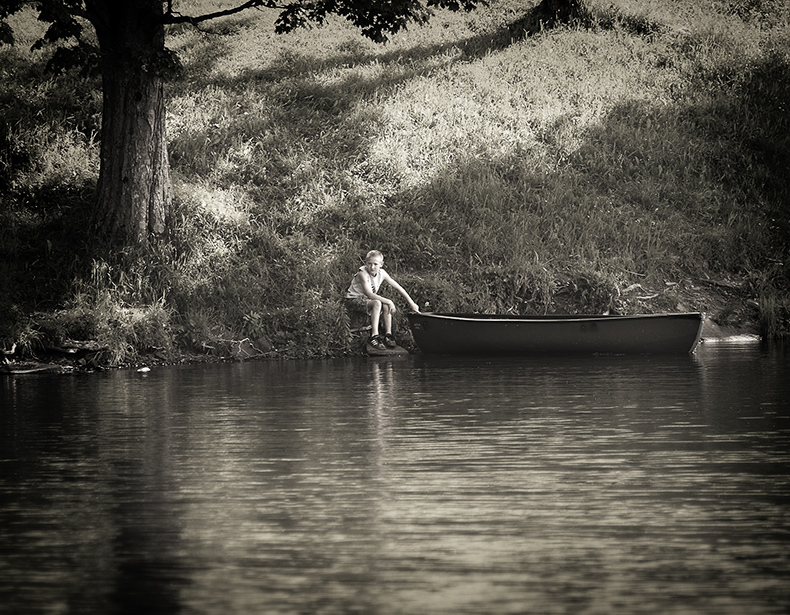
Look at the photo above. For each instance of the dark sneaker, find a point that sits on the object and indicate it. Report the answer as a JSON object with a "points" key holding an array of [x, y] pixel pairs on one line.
{"points": [[377, 342], [389, 340]]}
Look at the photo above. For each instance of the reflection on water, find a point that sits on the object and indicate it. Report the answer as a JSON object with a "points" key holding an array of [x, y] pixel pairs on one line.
{"points": [[409, 485]]}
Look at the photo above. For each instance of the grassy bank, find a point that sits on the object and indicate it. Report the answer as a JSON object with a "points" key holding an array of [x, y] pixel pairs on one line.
{"points": [[636, 162]]}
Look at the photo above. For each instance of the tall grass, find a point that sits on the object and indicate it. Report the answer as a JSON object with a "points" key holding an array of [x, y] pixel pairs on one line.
{"points": [[614, 164]]}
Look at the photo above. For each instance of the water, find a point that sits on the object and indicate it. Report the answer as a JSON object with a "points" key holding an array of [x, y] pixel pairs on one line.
{"points": [[611, 485]]}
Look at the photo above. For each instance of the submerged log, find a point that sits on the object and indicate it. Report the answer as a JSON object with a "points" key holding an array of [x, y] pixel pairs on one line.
{"points": [[29, 367]]}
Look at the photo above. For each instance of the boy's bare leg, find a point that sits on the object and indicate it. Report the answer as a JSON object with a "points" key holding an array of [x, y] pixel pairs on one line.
{"points": [[375, 312]]}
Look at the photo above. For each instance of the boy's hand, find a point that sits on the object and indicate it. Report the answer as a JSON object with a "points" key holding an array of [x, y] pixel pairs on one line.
{"points": [[414, 307]]}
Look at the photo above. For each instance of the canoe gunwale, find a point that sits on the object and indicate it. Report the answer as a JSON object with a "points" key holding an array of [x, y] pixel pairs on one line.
{"points": [[552, 317]]}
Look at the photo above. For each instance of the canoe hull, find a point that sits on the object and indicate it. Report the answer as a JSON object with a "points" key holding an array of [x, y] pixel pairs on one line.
{"points": [[504, 334]]}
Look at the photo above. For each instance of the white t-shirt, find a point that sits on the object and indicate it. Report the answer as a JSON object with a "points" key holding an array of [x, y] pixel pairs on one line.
{"points": [[357, 290]]}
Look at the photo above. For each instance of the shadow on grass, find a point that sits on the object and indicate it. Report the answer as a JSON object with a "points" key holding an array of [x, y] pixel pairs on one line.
{"points": [[306, 105], [45, 245], [689, 192]]}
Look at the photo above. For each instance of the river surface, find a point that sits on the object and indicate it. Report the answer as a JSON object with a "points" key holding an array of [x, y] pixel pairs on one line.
{"points": [[413, 485]]}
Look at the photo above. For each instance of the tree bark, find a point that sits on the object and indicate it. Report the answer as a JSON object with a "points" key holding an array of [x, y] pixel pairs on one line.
{"points": [[547, 14], [561, 11], [134, 191]]}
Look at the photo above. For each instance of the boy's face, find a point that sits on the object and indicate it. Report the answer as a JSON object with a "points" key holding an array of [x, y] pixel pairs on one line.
{"points": [[373, 264]]}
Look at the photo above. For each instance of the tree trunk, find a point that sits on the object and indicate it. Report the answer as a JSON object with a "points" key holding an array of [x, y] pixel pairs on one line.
{"points": [[561, 11], [134, 191], [547, 14]]}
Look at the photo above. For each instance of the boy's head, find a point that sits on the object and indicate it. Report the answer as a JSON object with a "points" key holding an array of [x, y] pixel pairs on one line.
{"points": [[373, 261], [373, 254]]}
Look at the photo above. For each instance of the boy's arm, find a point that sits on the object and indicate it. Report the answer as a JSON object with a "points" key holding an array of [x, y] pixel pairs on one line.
{"points": [[414, 307], [367, 284]]}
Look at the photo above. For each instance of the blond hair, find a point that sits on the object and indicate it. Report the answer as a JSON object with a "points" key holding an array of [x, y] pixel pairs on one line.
{"points": [[373, 254]]}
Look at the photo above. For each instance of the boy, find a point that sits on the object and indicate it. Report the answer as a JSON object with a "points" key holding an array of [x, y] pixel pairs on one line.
{"points": [[363, 295]]}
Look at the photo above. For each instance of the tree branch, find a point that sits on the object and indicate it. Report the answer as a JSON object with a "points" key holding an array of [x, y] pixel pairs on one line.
{"points": [[171, 17]]}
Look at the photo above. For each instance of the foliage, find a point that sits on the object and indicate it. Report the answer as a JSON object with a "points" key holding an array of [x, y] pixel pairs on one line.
{"points": [[67, 21], [377, 22]]}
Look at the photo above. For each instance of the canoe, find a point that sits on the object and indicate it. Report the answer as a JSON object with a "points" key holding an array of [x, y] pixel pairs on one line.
{"points": [[436, 333]]}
